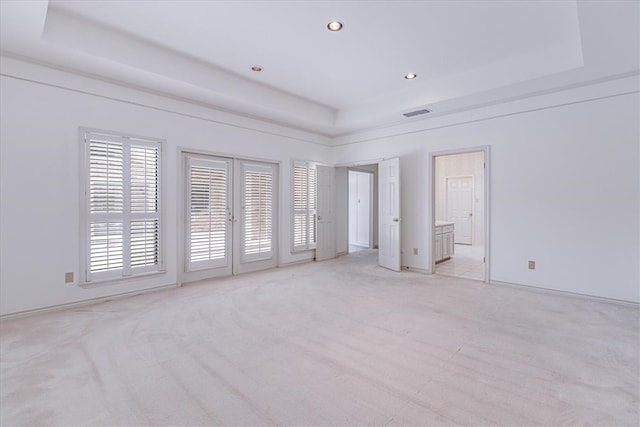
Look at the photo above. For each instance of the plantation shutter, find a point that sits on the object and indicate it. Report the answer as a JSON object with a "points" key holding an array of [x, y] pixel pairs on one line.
{"points": [[312, 208], [122, 206], [106, 206], [209, 211], [300, 218], [257, 212], [304, 206], [144, 202]]}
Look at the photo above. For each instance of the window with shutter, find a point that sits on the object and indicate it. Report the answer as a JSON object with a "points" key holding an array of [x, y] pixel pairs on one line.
{"points": [[304, 206], [122, 233]]}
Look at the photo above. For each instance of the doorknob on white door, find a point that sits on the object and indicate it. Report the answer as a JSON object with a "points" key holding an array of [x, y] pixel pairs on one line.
{"points": [[319, 217], [396, 219]]}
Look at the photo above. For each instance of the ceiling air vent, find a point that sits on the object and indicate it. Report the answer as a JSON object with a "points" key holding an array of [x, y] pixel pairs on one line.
{"points": [[417, 112]]}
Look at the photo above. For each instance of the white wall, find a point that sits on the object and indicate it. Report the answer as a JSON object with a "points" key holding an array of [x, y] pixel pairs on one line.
{"points": [[39, 176], [465, 164], [565, 181], [564, 186]]}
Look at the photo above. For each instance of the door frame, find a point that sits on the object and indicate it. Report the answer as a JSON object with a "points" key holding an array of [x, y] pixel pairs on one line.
{"points": [[446, 198], [486, 149], [181, 200]]}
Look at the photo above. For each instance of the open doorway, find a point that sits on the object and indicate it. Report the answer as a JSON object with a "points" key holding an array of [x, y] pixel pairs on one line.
{"points": [[362, 208], [460, 214]]}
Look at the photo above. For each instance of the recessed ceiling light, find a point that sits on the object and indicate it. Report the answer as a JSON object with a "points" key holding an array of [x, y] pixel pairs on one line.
{"points": [[256, 68], [334, 26], [410, 76]]}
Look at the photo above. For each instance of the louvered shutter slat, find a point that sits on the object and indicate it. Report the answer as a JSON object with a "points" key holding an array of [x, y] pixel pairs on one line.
{"points": [[105, 246], [106, 177], [144, 243], [144, 179]]}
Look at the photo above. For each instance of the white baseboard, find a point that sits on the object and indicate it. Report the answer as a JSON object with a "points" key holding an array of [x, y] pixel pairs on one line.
{"points": [[538, 289], [414, 269], [291, 263], [86, 302]]}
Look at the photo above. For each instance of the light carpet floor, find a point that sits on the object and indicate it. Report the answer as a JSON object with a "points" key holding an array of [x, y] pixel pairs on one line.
{"points": [[342, 342]]}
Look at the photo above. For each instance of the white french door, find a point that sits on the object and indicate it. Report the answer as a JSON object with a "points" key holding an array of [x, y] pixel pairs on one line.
{"points": [[230, 216], [256, 207], [208, 217]]}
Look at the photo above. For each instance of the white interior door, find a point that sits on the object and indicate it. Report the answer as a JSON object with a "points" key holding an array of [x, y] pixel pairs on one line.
{"points": [[389, 214], [208, 217], [459, 207], [325, 225]]}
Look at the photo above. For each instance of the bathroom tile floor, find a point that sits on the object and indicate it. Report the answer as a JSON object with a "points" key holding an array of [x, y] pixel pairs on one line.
{"points": [[467, 262]]}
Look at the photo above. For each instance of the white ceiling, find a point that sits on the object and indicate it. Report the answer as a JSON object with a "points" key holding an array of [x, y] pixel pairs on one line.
{"points": [[465, 53]]}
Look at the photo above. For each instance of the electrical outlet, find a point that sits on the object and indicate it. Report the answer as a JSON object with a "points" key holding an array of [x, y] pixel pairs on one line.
{"points": [[68, 277], [532, 265], [415, 251]]}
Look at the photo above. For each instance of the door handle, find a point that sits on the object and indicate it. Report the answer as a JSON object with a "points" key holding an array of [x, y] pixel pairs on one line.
{"points": [[470, 213], [396, 219], [319, 217], [230, 216]]}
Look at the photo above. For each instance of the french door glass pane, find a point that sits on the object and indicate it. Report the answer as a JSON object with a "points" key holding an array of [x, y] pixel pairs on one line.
{"points": [[258, 212], [208, 213]]}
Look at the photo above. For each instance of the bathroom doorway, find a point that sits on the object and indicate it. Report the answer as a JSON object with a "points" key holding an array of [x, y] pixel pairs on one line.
{"points": [[459, 228]]}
